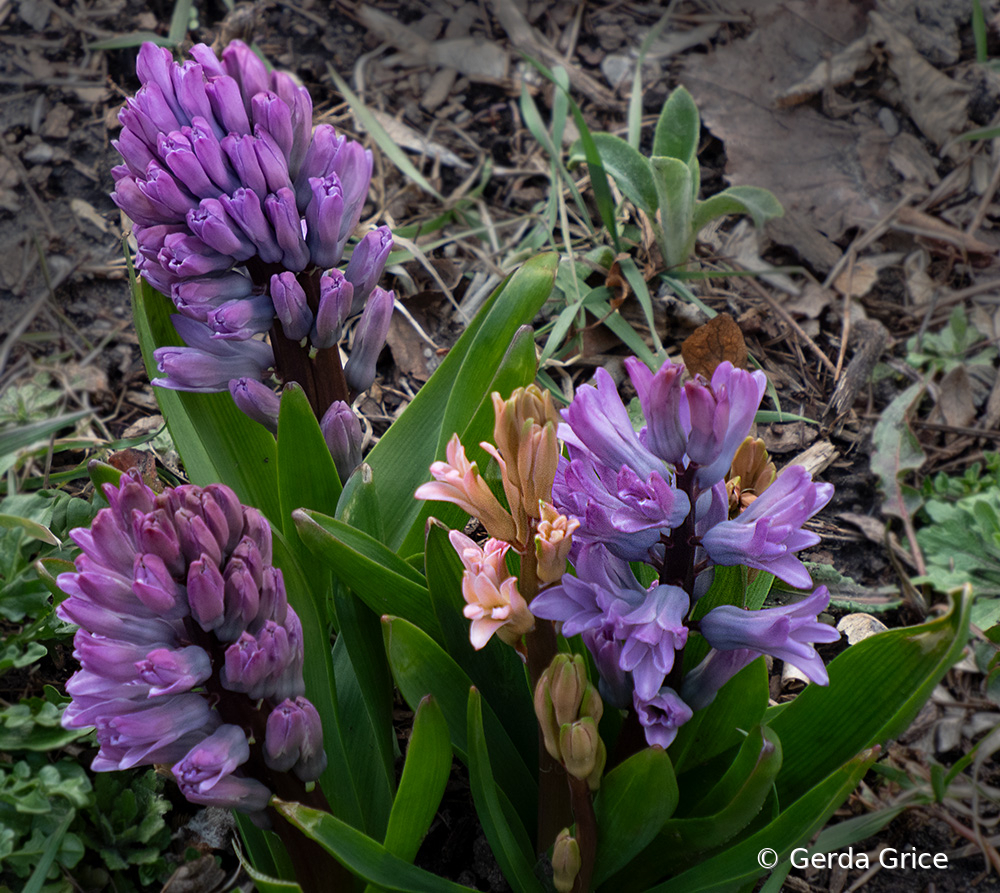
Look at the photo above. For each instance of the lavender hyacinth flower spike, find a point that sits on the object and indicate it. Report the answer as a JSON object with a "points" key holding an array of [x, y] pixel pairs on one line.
{"points": [[241, 215], [166, 587]]}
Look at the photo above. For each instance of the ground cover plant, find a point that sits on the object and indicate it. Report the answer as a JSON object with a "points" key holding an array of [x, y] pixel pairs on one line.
{"points": [[549, 600]]}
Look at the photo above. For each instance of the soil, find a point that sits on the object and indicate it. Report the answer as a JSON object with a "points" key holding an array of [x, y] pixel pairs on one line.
{"points": [[918, 238]]}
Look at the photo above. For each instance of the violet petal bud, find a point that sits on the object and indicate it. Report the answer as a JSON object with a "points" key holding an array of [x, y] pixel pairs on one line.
{"points": [[188, 80], [208, 150], [324, 215], [223, 514], [186, 256], [206, 58], [217, 756], [273, 162], [284, 216], [291, 305], [661, 716], [342, 433], [156, 588], [257, 400], [134, 151], [369, 340], [210, 223], [273, 115], [256, 528], [318, 161], [353, 165], [242, 600], [135, 203], [178, 154], [240, 151], [241, 319], [171, 671], [227, 104], [246, 68], [336, 297], [196, 540], [245, 208], [195, 298], [365, 267], [206, 593]]}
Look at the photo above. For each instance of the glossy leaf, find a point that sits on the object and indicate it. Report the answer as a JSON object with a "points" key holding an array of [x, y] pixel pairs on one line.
{"points": [[361, 855], [402, 457], [421, 667], [217, 442], [737, 868], [907, 664], [629, 814], [510, 845], [421, 787], [380, 578]]}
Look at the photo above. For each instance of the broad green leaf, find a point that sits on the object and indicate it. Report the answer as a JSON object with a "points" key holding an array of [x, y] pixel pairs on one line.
{"points": [[317, 672], [307, 476], [907, 663], [628, 166], [759, 203], [361, 855], [510, 845], [495, 669], [629, 814], [31, 528], [673, 188], [380, 578], [729, 807], [737, 868], [217, 442], [359, 504], [678, 128], [366, 729], [740, 704], [421, 787], [421, 667], [403, 455]]}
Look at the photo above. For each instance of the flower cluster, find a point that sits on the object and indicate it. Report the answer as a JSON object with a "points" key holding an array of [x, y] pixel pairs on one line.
{"points": [[190, 654], [241, 215], [660, 496]]}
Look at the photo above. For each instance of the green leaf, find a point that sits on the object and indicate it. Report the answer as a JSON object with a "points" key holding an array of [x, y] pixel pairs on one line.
{"points": [[361, 855], [14, 439], [897, 450], [379, 577], [759, 203], [737, 868], [678, 128], [31, 528], [510, 845], [673, 187], [908, 663], [421, 667], [264, 882], [628, 816], [628, 166], [425, 775], [217, 442], [307, 476], [450, 399]]}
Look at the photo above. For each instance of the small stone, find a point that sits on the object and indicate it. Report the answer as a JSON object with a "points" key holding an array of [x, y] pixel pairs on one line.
{"points": [[888, 121]]}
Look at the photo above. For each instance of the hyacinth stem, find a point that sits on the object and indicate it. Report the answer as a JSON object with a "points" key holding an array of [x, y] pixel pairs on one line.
{"points": [[320, 375], [585, 832], [553, 796]]}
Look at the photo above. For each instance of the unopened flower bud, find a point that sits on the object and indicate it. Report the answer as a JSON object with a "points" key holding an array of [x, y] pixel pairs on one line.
{"points": [[364, 269], [566, 861], [336, 295], [553, 542], [256, 400], [579, 744], [369, 340], [291, 305], [342, 433], [284, 216]]}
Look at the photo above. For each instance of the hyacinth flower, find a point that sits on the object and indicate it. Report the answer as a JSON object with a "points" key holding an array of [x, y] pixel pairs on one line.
{"points": [[685, 493], [242, 213], [189, 652]]}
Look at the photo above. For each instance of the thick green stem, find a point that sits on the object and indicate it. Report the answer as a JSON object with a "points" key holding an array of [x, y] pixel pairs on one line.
{"points": [[585, 832], [541, 646]]}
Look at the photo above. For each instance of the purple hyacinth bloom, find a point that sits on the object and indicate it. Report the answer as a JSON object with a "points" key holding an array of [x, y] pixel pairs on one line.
{"points": [[148, 643], [336, 297], [189, 87], [246, 68], [702, 684], [244, 206], [240, 320], [652, 633], [353, 164], [367, 262], [787, 632], [205, 142], [706, 422], [318, 161], [768, 533], [184, 256], [178, 153], [284, 216], [273, 163], [256, 400], [210, 223], [661, 716], [293, 739], [342, 433], [170, 672], [274, 116], [369, 340], [324, 215], [196, 298], [291, 306], [242, 154]]}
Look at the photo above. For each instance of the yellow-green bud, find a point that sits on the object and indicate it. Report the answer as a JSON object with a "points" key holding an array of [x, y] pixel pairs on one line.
{"points": [[566, 861], [594, 779], [579, 743], [568, 684]]}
